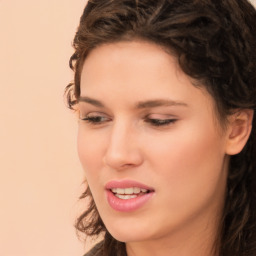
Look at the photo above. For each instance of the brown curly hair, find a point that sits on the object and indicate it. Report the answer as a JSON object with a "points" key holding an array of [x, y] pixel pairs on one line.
{"points": [[215, 43]]}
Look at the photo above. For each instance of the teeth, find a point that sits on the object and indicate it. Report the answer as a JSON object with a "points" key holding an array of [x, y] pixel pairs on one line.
{"points": [[125, 196], [136, 190], [120, 190], [114, 190], [128, 191]]}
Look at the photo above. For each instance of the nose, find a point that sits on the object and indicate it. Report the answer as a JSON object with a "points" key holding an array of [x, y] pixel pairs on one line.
{"points": [[123, 149]]}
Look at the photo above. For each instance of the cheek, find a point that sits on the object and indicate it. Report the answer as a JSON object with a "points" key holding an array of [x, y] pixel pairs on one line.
{"points": [[190, 160], [89, 148], [189, 174]]}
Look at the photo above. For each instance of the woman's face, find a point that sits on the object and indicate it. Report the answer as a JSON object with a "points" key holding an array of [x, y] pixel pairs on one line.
{"points": [[150, 144]]}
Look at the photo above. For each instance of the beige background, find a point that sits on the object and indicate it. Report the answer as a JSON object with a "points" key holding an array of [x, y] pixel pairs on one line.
{"points": [[40, 174]]}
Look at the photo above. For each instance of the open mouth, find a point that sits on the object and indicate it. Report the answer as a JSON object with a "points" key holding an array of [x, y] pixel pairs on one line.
{"points": [[129, 193]]}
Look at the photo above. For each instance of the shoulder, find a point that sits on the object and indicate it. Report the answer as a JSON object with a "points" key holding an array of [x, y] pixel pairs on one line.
{"points": [[95, 250]]}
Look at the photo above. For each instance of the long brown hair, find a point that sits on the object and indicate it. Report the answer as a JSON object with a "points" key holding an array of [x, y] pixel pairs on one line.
{"points": [[215, 43]]}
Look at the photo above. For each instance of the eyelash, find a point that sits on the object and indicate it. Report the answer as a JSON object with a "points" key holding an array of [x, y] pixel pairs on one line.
{"points": [[160, 122], [98, 120], [95, 120]]}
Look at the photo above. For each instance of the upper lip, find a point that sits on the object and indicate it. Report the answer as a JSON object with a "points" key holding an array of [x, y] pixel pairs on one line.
{"points": [[126, 184]]}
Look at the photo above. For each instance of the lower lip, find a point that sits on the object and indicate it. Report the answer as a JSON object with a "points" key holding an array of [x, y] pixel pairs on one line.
{"points": [[127, 205]]}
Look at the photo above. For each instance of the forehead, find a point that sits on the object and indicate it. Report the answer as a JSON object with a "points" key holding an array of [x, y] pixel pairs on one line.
{"points": [[130, 63], [137, 71], [119, 55]]}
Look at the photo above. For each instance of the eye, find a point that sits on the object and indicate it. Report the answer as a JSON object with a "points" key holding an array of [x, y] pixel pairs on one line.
{"points": [[160, 121], [95, 119]]}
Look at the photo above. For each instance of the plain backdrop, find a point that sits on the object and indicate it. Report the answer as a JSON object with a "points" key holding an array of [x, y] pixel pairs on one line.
{"points": [[40, 175]]}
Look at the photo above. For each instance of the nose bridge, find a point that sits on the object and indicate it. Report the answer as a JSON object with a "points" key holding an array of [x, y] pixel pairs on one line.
{"points": [[122, 149], [119, 134]]}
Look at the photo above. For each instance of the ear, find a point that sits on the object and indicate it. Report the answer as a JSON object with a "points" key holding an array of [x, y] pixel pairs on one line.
{"points": [[239, 130]]}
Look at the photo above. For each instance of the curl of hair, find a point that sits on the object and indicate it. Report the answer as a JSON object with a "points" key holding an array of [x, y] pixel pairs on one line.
{"points": [[214, 42]]}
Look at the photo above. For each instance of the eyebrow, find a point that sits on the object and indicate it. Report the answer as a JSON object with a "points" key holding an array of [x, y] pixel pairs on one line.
{"points": [[139, 105], [159, 103], [91, 101]]}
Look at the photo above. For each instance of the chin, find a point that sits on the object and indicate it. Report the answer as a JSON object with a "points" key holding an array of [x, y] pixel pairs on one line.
{"points": [[129, 236], [130, 231]]}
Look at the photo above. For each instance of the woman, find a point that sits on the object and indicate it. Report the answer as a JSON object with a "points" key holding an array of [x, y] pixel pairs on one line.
{"points": [[166, 93]]}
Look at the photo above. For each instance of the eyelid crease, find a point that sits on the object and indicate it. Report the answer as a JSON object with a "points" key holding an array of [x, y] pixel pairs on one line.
{"points": [[92, 113], [161, 116]]}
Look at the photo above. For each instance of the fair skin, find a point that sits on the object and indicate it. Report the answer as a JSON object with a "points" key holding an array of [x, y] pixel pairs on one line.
{"points": [[141, 119]]}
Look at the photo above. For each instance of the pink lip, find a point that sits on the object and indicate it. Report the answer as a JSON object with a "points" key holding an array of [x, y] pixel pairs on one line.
{"points": [[127, 205], [126, 184]]}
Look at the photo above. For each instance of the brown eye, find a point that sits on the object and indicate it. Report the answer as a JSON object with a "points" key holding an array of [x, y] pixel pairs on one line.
{"points": [[160, 122], [96, 119]]}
